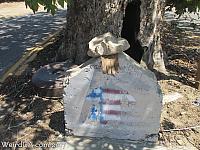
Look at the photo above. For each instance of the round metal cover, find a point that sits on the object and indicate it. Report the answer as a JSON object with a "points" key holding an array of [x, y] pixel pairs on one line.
{"points": [[49, 79]]}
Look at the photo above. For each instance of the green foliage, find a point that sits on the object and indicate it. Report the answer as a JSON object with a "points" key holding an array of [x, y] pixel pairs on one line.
{"points": [[49, 5], [183, 5]]}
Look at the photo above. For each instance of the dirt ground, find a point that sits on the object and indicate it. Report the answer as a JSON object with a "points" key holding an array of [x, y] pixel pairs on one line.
{"points": [[16, 9], [24, 116], [182, 49], [10, 1]]}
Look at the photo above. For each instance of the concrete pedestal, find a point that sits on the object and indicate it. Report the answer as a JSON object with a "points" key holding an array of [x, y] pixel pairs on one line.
{"points": [[124, 106]]}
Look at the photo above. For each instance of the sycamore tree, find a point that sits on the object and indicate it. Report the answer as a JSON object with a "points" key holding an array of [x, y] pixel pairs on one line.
{"points": [[139, 21]]}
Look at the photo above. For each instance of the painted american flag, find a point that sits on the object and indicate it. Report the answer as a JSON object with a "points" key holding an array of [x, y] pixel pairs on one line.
{"points": [[109, 104]]}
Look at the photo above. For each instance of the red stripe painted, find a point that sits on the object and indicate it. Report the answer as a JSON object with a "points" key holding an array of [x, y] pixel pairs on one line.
{"points": [[112, 112], [111, 91], [111, 102]]}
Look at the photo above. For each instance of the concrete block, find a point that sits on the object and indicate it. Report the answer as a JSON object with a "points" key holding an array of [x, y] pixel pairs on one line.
{"points": [[124, 106]]}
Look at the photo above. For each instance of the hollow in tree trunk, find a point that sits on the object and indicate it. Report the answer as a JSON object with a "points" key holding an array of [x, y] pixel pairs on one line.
{"points": [[138, 21]]}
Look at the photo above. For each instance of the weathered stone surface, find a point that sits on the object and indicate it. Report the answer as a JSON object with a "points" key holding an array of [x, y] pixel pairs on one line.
{"points": [[107, 44], [124, 106]]}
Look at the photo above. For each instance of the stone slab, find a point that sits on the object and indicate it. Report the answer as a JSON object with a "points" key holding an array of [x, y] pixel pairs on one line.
{"points": [[124, 106]]}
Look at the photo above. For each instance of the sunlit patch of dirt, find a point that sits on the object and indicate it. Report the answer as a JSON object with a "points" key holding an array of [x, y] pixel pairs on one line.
{"points": [[183, 50]]}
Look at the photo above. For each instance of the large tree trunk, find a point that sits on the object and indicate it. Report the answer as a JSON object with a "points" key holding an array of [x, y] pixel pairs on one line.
{"points": [[89, 18]]}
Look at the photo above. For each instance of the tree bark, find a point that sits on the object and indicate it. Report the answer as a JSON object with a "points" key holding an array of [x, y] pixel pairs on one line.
{"points": [[151, 22], [89, 18]]}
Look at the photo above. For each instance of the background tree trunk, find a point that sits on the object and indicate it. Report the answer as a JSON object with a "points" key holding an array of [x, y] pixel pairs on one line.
{"points": [[152, 13], [89, 18]]}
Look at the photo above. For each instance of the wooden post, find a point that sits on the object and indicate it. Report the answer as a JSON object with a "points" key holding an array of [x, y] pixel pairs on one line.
{"points": [[198, 75]]}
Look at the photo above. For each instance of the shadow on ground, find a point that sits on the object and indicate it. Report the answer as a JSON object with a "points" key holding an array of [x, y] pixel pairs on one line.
{"points": [[86, 143], [182, 52], [24, 116], [57, 122], [18, 34]]}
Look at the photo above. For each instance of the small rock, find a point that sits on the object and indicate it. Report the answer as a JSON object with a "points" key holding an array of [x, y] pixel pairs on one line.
{"points": [[110, 147], [187, 134], [39, 121], [21, 132], [171, 97], [182, 113], [60, 136], [180, 142], [38, 129], [160, 135], [57, 133], [2, 117], [105, 145], [196, 102], [5, 105]]}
